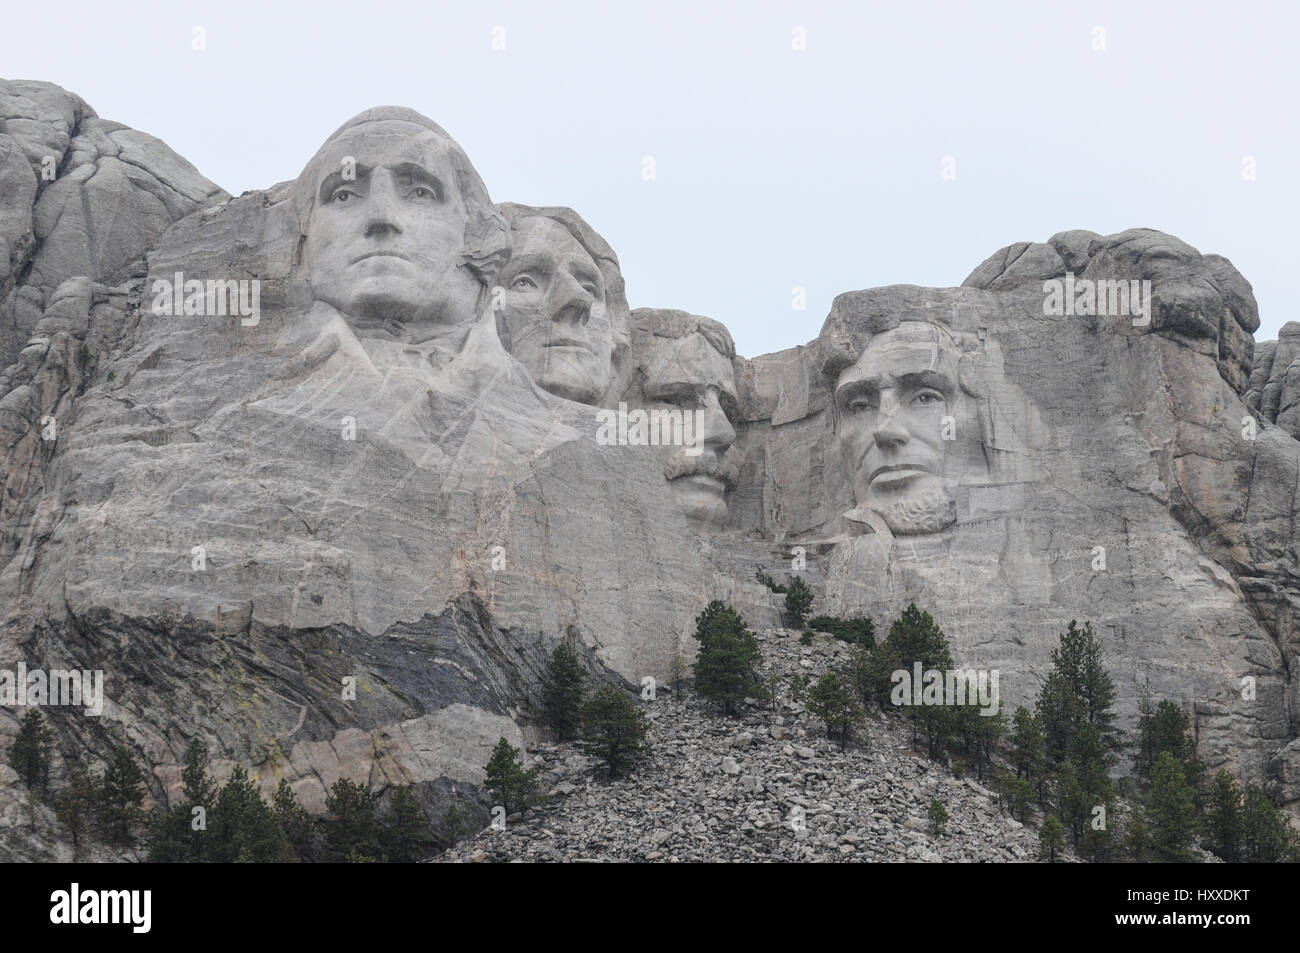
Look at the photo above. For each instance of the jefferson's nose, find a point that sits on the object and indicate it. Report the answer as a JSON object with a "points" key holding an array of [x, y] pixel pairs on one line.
{"points": [[570, 302]]}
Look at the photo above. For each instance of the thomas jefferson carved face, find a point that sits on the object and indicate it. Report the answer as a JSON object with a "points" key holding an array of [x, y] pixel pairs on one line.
{"points": [[387, 229], [906, 428], [558, 322], [690, 373]]}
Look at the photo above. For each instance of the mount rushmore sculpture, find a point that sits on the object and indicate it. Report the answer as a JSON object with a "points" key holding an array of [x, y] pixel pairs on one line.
{"points": [[370, 425]]}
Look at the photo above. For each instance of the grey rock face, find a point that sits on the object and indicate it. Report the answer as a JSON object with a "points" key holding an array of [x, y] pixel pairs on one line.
{"points": [[282, 467]]}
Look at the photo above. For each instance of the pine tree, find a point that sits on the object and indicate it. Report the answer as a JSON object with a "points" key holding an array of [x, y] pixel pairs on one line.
{"points": [[614, 729], [913, 637], [351, 828], [405, 829], [1078, 659], [1139, 835], [30, 753], [798, 601], [726, 668], [1266, 836], [243, 829], [513, 785], [1026, 744], [833, 700], [121, 791], [1051, 839], [1171, 810], [75, 805], [292, 819], [938, 815], [1167, 727], [562, 695], [1225, 821]]}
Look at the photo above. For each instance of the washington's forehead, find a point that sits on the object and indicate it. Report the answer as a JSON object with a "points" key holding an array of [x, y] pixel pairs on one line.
{"points": [[539, 235], [377, 148]]}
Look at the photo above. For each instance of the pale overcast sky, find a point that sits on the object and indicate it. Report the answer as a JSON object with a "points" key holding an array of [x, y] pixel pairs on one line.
{"points": [[774, 167]]}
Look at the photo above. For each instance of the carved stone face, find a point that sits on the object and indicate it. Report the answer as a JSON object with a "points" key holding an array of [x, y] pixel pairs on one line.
{"points": [[689, 374], [384, 247], [559, 324], [892, 404]]}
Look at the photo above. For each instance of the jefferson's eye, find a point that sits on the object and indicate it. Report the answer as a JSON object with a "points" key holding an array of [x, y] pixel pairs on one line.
{"points": [[523, 283]]}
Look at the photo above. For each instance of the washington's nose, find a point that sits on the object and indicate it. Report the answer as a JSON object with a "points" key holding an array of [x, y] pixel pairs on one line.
{"points": [[570, 302], [382, 218]]}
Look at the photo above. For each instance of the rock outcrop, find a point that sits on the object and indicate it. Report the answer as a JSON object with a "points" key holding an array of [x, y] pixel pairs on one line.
{"points": [[323, 473]]}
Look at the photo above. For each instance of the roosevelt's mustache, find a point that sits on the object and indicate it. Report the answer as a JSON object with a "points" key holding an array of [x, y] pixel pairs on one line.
{"points": [[707, 463]]}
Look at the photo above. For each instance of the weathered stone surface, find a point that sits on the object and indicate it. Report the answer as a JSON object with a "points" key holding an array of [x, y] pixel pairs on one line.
{"points": [[338, 460]]}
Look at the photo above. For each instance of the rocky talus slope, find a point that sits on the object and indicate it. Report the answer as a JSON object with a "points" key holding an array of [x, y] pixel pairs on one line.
{"points": [[719, 789]]}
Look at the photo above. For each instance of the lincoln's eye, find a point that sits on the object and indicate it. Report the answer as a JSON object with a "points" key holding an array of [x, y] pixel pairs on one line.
{"points": [[523, 283], [859, 405], [928, 398]]}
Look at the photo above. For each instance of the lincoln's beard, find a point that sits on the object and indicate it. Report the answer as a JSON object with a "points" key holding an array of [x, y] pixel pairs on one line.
{"points": [[925, 508]]}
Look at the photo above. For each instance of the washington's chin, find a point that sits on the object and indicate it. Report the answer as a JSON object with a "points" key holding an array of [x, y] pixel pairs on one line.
{"points": [[917, 508], [703, 500]]}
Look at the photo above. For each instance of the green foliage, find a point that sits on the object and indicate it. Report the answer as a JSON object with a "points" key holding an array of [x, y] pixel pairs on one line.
{"points": [[1051, 839], [1171, 810], [1077, 692], [242, 827], [938, 815], [1225, 822], [806, 638], [913, 637], [405, 833], [452, 826], [30, 753], [857, 630], [292, 819], [1167, 727], [75, 805], [1139, 835], [1026, 745], [978, 734], [614, 729], [798, 600], [834, 701], [1017, 795], [1266, 836], [726, 670], [121, 791], [562, 695], [351, 828], [798, 685], [768, 581], [512, 785]]}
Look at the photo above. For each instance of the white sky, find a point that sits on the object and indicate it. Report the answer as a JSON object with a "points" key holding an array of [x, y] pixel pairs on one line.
{"points": [[775, 168]]}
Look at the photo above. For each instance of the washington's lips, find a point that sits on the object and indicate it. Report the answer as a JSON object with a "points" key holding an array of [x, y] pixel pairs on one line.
{"points": [[380, 254]]}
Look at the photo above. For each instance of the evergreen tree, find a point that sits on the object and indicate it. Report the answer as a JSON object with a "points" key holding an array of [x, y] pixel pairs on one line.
{"points": [[1266, 836], [75, 805], [1026, 744], [833, 700], [1171, 810], [405, 829], [242, 826], [509, 782], [938, 815], [1225, 821], [30, 752], [1077, 691], [1167, 727], [562, 695], [858, 630], [798, 600], [292, 819], [726, 668], [1139, 835], [1051, 839], [121, 791], [351, 829], [614, 729], [913, 637]]}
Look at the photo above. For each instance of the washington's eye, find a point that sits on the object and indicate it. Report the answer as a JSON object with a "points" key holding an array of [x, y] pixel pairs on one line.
{"points": [[523, 283], [928, 398], [424, 192], [342, 194]]}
